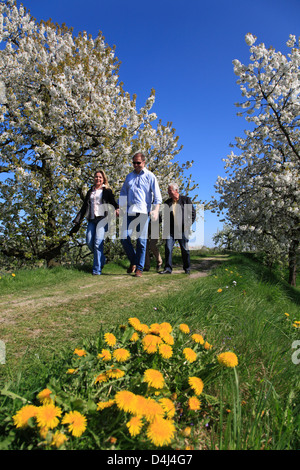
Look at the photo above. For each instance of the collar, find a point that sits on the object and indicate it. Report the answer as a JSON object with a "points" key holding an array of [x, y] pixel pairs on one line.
{"points": [[142, 171]]}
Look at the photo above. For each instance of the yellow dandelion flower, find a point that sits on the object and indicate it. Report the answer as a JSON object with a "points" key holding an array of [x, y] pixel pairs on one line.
{"points": [[287, 314], [149, 408], [165, 326], [167, 337], [71, 371], [154, 378], [161, 431], [219, 290], [184, 328], [189, 354], [76, 421], [126, 401], [80, 352], [135, 425], [198, 338], [296, 324], [101, 378], [115, 373], [134, 322], [150, 343], [134, 338], [45, 396], [142, 328], [165, 351], [47, 416], [105, 355], [197, 385], [187, 431], [121, 355], [13, 275], [207, 346], [110, 339], [58, 439], [43, 432], [130, 403], [194, 404], [23, 415], [151, 340], [228, 359], [102, 405], [136, 404], [168, 407], [154, 328], [151, 349]]}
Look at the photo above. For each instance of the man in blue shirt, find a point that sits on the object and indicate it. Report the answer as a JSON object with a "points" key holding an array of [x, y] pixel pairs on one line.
{"points": [[140, 196]]}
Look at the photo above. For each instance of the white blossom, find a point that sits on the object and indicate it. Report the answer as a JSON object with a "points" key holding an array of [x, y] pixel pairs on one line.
{"points": [[261, 197], [250, 39], [65, 113]]}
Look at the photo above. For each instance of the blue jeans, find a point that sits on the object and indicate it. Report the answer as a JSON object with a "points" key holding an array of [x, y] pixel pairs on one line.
{"points": [[185, 253], [135, 225], [95, 234]]}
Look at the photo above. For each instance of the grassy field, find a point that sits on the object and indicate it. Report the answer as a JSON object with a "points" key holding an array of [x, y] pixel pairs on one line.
{"points": [[234, 302]]}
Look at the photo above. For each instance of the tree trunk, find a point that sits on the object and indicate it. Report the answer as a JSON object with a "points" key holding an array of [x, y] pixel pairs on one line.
{"points": [[293, 251]]}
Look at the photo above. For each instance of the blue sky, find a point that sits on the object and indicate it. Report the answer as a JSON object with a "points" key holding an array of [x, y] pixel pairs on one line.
{"points": [[184, 50]]}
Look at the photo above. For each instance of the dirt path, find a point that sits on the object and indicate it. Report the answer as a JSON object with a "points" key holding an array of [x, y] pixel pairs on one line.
{"points": [[37, 322], [202, 268], [15, 305]]}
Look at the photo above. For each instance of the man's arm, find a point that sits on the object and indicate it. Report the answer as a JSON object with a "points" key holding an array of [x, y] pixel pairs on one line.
{"points": [[157, 199], [193, 211], [154, 214]]}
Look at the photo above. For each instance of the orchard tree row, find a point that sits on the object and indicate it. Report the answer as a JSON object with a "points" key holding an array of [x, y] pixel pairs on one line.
{"points": [[260, 197], [64, 113]]}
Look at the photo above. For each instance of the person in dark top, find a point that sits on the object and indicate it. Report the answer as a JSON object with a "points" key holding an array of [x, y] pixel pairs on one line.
{"points": [[95, 209], [179, 216]]}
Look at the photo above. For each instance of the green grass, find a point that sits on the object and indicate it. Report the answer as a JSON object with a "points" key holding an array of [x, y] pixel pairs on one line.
{"points": [[256, 408]]}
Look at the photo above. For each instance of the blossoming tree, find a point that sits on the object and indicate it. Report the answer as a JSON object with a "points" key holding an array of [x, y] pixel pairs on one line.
{"points": [[261, 194], [63, 113]]}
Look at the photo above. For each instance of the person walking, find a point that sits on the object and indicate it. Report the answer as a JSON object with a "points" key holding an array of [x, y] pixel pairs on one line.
{"points": [[152, 246], [140, 197], [177, 223], [95, 209]]}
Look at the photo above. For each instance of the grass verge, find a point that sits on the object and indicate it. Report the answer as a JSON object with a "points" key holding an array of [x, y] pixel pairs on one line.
{"points": [[239, 307]]}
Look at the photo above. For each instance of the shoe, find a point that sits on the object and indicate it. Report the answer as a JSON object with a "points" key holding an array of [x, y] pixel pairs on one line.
{"points": [[138, 273], [165, 271], [146, 269], [158, 267], [187, 271], [131, 269]]}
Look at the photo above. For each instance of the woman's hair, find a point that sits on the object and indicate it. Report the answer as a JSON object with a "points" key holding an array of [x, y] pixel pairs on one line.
{"points": [[105, 180]]}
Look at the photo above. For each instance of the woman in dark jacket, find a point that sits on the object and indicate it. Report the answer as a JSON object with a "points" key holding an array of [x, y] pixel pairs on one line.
{"points": [[94, 208]]}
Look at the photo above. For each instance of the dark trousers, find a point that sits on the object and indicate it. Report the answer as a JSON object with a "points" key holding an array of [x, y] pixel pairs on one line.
{"points": [[185, 252]]}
